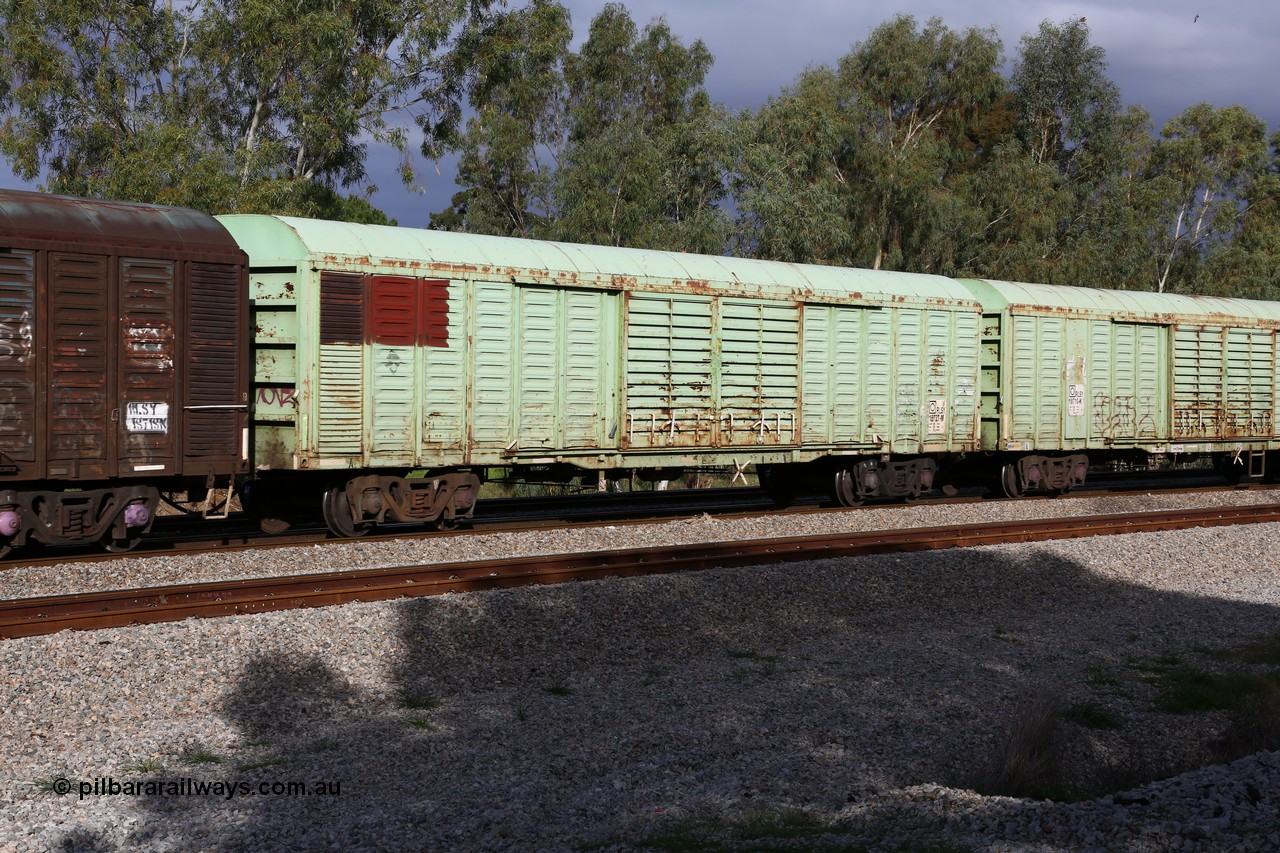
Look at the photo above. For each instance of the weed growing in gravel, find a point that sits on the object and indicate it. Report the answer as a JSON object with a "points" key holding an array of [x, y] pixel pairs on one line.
{"points": [[54, 784], [1101, 675], [144, 765], [1026, 762], [199, 755], [559, 689], [1254, 727], [424, 724], [521, 714], [1264, 652], [1092, 715], [420, 703], [1187, 690], [322, 745], [652, 674]]}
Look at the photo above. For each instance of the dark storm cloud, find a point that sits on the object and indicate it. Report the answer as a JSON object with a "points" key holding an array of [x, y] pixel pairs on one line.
{"points": [[1158, 53]]}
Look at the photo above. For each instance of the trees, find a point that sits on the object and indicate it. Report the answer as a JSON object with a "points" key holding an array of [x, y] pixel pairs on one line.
{"points": [[616, 144], [860, 164], [513, 144], [223, 104], [1209, 162]]}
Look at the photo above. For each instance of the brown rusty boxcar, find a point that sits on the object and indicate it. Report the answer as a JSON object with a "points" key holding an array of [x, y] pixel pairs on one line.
{"points": [[123, 348]]}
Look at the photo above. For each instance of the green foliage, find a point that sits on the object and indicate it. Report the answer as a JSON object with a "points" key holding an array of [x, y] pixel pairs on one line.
{"points": [[1093, 715], [911, 153], [1208, 160], [617, 144], [199, 755], [225, 105], [859, 165]]}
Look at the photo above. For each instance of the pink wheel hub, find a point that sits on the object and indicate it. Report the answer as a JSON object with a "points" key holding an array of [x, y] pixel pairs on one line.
{"points": [[136, 515], [10, 522]]}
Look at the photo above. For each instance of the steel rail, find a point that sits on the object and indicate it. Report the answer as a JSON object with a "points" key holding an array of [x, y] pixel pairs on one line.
{"points": [[35, 616], [228, 540]]}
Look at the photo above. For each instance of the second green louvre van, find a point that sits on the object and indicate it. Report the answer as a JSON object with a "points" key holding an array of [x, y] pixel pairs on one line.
{"points": [[392, 350]]}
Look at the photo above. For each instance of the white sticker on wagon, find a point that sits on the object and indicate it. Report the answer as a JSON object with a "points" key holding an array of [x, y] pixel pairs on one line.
{"points": [[146, 417]]}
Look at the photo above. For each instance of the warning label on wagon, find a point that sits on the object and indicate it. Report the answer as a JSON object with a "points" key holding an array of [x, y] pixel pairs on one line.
{"points": [[1075, 401], [937, 417], [146, 417]]}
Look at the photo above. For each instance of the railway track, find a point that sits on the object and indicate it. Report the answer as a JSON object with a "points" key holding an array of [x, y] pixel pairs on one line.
{"points": [[36, 616], [175, 535]]}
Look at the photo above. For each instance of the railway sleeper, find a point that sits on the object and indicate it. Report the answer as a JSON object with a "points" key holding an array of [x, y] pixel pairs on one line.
{"points": [[354, 508], [116, 517]]}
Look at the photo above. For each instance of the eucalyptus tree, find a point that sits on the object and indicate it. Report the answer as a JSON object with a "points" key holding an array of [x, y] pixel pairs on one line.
{"points": [[644, 149], [616, 144], [1210, 161], [224, 104], [1066, 200], [859, 165], [1249, 266], [513, 143], [790, 184]]}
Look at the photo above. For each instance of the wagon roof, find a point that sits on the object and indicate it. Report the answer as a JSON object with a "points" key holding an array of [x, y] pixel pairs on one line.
{"points": [[270, 240], [1134, 306], [76, 221]]}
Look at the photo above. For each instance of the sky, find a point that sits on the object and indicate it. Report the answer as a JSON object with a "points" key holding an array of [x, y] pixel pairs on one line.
{"points": [[1163, 54]]}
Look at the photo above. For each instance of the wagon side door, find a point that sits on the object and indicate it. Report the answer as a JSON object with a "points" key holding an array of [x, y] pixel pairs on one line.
{"points": [[146, 403], [81, 438]]}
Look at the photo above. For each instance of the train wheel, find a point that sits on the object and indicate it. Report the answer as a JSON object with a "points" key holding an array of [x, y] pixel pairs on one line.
{"points": [[845, 493], [1009, 481], [337, 514]]}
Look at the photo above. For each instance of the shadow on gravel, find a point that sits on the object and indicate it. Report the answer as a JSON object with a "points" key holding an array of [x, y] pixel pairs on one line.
{"points": [[624, 711]]}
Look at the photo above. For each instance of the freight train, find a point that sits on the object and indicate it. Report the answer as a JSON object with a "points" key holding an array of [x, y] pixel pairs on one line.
{"points": [[375, 374]]}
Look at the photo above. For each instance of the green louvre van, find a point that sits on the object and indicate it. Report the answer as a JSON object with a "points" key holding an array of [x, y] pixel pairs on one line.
{"points": [[1114, 372], [393, 349]]}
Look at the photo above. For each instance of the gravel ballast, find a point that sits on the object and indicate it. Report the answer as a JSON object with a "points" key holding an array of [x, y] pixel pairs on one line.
{"points": [[853, 702]]}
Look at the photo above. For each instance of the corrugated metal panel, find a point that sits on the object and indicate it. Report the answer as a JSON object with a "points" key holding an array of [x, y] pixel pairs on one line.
{"points": [[1035, 393], [147, 360], [340, 385], [588, 403], [18, 416], [878, 372], [1275, 344], [1126, 390], [444, 391], [1197, 390], [539, 368], [908, 355], [394, 322], [215, 360], [832, 359], [78, 366], [669, 392], [759, 371], [1249, 383], [963, 374], [950, 377], [493, 368]]}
